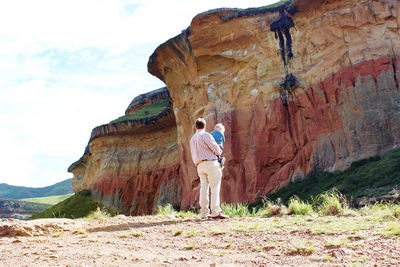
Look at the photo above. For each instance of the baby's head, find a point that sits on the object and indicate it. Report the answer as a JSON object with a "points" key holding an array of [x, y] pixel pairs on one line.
{"points": [[219, 127]]}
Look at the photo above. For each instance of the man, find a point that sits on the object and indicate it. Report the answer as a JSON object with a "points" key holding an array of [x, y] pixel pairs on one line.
{"points": [[204, 152]]}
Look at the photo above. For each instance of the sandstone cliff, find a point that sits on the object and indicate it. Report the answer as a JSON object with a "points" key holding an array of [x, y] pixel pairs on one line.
{"points": [[301, 86], [133, 164]]}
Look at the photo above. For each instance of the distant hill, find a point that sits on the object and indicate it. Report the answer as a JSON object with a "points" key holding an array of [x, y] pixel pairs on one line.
{"points": [[52, 200], [19, 192], [11, 208]]}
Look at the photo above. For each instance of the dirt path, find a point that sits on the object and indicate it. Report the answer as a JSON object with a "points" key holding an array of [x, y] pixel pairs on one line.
{"points": [[156, 241]]}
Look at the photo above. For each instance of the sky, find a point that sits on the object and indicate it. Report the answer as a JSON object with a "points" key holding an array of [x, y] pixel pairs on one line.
{"points": [[69, 66]]}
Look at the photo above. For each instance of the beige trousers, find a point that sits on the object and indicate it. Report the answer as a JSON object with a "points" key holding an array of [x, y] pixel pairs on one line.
{"points": [[210, 174]]}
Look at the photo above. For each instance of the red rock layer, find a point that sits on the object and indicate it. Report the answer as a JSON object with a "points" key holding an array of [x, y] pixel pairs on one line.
{"points": [[328, 126], [138, 194]]}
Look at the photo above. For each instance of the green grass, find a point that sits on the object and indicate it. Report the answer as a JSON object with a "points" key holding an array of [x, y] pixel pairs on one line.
{"points": [[238, 210], [330, 203], [52, 200], [168, 210], [372, 173], [392, 229], [147, 112], [299, 207], [77, 206]]}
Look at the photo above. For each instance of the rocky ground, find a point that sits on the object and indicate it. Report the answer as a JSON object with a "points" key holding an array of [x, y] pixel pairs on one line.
{"points": [[167, 240]]}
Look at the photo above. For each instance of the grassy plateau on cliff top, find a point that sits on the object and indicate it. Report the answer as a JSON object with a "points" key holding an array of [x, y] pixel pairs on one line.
{"points": [[146, 112]]}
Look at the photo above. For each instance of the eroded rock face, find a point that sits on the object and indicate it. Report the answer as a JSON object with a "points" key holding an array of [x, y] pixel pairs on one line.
{"points": [[303, 87], [133, 165]]}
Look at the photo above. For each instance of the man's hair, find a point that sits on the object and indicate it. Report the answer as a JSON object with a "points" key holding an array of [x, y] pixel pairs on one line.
{"points": [[220, 127], [200, 123]]}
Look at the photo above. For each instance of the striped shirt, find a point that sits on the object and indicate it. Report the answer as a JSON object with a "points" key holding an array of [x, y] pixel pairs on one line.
{"points": [[203, 147]]}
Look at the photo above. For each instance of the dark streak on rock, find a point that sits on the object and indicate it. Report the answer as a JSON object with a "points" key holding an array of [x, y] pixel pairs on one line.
{"points": [[393, 62], [286, 86], [281, 27]]}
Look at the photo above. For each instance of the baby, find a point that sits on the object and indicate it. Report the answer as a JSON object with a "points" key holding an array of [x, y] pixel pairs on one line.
{"points": [[219, 137]]}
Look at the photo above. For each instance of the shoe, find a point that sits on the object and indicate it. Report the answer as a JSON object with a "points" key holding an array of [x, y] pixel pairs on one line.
{"points": [[222, 162], [219, 216]]}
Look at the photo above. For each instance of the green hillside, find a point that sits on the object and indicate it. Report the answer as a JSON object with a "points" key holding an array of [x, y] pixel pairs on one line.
{"points": [[370, 177], [77, 206], [19, 192], [52, 200]]}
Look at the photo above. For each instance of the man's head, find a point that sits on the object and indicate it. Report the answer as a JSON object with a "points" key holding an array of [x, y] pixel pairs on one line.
{"points": [[219, 127], [200, 124]]}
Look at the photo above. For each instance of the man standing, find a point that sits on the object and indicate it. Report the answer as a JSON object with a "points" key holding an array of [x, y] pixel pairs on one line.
{"points": [[204, 152]]}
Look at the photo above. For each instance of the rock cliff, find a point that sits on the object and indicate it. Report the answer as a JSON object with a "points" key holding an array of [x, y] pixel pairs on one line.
{"points": [[301, 86], [133, 164]]}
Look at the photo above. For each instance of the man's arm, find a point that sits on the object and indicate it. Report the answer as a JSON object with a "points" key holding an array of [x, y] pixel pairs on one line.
{"points": [[212, 145], [192, 150]]}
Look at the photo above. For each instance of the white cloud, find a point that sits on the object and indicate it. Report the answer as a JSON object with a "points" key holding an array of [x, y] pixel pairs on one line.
{"points": [[69, 66]]}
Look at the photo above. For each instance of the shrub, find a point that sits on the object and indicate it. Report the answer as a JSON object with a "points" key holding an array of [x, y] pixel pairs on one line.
{"points": [[271, 208], [299, 207], [330, 203], [269, 211], [99, 214]]}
